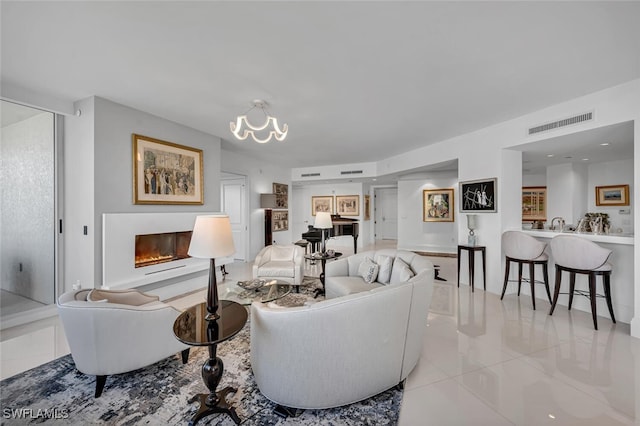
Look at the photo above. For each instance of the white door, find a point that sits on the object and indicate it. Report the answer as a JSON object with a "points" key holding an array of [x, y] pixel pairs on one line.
{"points": [[233, 193], [386, 213]]}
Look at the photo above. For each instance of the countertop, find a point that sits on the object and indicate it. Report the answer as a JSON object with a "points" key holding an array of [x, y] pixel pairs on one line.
{"points": [[618, 238]]}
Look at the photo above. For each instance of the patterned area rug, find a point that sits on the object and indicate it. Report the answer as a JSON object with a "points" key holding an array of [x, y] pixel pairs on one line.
{"points": [[159, 394]]}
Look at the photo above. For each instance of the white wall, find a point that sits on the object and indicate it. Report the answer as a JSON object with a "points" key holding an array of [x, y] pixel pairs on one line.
{"points": [[413, 232], [260, 178], [534, 179], [302, 214], [612, 173], [99, 166]]}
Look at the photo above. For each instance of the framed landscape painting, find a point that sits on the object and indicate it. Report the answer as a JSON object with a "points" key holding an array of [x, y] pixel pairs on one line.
{"points": [[477, 196], [612, 195], [437, 205], [321, 203], [166, 173], [348, 205]]}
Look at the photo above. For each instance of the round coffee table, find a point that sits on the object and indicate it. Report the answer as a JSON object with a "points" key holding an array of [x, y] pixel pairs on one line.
{"points": [[267, 293]]}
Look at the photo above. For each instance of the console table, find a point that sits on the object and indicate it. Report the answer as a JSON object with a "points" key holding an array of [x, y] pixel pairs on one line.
{"points": [[472, 254], [193, 329]]}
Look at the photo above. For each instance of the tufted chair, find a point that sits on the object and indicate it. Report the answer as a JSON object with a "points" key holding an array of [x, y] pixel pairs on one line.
{"points": [[577, 255], [280, 262], [524, 249], [117, 331]]}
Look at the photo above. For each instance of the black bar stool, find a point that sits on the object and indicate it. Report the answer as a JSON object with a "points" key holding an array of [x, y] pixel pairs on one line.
{"points": [[577, 255]]}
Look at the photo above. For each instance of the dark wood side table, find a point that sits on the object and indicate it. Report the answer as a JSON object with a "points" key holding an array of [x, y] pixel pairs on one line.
{"points": [[193, 329], [323, 260], [472, 254]]}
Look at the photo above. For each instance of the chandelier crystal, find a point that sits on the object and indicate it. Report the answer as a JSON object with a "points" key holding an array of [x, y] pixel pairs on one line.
{"points": [[242, 129]]}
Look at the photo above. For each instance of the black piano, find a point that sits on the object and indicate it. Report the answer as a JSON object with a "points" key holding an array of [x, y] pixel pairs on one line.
{"points": [[341, 226]]}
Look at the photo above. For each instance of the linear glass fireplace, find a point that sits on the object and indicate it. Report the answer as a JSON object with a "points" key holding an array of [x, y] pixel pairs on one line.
{"points": [[152, 249]]}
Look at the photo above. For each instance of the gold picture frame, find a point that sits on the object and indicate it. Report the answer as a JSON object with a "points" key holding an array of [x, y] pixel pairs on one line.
{"points": [[534, 203], [612, 195], [321, 203], [279, 220], [166, 173], [348, 205], [437, 205], [367, 207], [282, 195]]}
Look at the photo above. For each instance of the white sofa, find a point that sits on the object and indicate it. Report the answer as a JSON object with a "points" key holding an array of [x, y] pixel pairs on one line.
{"points": [[342, 275], [341, 350], [280, 262], [117, 332]]}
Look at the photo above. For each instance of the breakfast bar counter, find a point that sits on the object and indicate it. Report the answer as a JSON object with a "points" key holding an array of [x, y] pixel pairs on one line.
{"points": [[622, 277]]}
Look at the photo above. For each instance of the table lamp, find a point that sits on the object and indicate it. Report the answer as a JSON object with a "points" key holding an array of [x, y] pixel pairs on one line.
{"points": [[323, 221], [472, 224], [211, 238]]}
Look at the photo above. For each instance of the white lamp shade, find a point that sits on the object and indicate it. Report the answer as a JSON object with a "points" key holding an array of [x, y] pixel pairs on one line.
{"points": [[212, 237], [323, 220], [472, 221]]}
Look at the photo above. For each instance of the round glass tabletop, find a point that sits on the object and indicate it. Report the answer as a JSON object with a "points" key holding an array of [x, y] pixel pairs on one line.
{"points": [[245, 296]]}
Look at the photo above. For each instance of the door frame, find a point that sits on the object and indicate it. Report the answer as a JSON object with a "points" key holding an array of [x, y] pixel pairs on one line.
{"points": [[247, 222]]}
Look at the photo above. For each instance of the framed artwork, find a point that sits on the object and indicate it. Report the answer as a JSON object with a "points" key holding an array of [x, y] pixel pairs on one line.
{"points": [[348, 205], [477, 196], [534, 203], [282, 195], [612, 195], [321, 203], [437, 205], [166, 173], [279, 220], [367, 207]]}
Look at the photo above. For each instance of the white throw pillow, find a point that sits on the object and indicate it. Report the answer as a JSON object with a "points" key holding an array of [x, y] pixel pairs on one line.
{"points": [[368, 270], [385, 264], [401, 272], [281, 253]]}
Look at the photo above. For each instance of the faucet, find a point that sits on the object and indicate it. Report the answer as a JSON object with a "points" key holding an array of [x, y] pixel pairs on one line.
{"points": [[560, 224]]}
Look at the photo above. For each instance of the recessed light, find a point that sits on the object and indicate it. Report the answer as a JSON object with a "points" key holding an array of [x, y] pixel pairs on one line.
{"points": [[585, 159], [551, 416], [549, 155], [605, 144]]}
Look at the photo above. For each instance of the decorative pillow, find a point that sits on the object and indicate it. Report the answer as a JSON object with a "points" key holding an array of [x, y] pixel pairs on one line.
{"points": [[368, 270], [281, 253], [385, 264], [401, 272]]}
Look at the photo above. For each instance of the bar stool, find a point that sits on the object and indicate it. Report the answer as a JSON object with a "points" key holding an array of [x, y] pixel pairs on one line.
{"points": [[577, 255], [524, 249]]}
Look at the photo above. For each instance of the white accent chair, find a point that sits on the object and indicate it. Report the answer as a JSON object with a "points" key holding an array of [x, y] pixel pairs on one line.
{"points": [[280, 262], [117, 331], [346, 349], [577, 255], [524, 249]]}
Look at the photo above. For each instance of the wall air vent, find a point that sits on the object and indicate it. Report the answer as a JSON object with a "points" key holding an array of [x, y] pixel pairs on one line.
{"points": [[588, 116], [351, 172], [310, 174]]}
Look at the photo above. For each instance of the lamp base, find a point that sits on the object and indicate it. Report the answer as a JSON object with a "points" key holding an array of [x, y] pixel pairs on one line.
{"points": [[471, 240], [212, 294]]}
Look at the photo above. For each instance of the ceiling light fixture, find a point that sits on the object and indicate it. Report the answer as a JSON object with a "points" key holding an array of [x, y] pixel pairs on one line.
{"points": [[605, 144], [242, 129]]}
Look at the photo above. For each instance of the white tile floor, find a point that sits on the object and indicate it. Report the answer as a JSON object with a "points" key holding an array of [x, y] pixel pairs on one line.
{"points": [[484, 361]]}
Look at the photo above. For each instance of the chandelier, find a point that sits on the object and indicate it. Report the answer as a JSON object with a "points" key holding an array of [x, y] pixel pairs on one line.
{"points": [[242, 129]]}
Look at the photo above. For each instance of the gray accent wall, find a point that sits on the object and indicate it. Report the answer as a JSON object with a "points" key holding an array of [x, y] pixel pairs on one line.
{"points": [[107, 172]]}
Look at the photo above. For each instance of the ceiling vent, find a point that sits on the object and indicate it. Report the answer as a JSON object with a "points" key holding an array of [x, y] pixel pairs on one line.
{"points": [[351, 172], [310, 174], [588, 116]]}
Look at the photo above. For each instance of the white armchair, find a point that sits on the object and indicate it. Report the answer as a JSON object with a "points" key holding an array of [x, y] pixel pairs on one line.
{"points": [[284, 263], [116, 331]]}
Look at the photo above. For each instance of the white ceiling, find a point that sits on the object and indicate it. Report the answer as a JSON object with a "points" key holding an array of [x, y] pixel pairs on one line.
{"points": [[355, 81]]}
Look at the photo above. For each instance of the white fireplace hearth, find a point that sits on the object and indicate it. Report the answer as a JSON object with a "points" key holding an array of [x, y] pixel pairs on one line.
{"points": [[119, 232]]}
